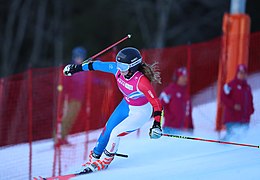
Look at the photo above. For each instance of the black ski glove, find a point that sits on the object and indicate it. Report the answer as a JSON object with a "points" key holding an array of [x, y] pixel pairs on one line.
{"points": [[71, 69], [155, 131]]}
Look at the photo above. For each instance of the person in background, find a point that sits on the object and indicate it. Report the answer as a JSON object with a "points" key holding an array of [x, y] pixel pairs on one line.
{"points": [[134, 79], [74, 93], [177, 104], [237, 99]]}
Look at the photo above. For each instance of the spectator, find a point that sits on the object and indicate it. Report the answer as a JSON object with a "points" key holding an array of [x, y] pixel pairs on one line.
{"points": [[177, 104], [238, 102], [74, 93]]}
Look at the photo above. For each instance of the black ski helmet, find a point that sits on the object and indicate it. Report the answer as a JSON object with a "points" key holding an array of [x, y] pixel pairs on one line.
{"points": [[128, 58]]}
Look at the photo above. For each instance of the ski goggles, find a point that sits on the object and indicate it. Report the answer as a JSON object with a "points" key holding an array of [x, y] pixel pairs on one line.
{"points": [[125, 67]]}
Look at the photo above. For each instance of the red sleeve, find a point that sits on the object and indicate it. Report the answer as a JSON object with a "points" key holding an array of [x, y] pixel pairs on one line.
{"points": [[251, 108], [226, 96], [146, 88]]}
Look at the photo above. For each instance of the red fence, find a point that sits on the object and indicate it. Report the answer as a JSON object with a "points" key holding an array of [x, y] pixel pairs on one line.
{"points": [[103, 96]]}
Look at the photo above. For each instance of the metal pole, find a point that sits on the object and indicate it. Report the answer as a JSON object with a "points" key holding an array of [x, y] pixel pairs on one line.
{"points": [[210, 140], [237, 6], [111, 46]]}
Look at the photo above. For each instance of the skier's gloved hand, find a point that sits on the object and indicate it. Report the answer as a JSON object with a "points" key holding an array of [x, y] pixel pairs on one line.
{"points": [[155, 131], [71, 69]]}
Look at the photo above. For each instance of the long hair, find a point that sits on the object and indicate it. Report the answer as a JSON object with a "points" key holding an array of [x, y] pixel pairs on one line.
{"points": [[151, 71]]}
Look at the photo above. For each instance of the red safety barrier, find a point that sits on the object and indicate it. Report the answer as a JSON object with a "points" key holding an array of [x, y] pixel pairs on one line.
{"points": [[99, 90]]}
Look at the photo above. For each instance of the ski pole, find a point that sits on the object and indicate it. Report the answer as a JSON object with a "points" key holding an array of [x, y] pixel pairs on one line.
{"points": [[210, 140], [121, 155], [109, 47]]}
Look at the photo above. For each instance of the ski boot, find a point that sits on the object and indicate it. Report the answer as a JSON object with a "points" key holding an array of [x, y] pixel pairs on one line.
{"points": [[92, 158], [98, 164]]}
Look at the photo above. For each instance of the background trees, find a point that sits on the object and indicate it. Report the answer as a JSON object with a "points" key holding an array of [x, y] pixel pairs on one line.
{"points": [[42, 33]]}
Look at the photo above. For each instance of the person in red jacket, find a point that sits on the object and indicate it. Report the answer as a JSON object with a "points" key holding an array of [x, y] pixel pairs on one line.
{"points": [[177, 104], [238, 102], [74, 92]]}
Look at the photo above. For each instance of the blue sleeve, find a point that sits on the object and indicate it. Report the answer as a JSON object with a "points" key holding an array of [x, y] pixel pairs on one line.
{"points": [[109, 67]]}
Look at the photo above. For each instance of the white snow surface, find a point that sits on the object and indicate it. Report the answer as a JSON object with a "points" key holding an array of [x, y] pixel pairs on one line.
{"points": [[165, 158]]}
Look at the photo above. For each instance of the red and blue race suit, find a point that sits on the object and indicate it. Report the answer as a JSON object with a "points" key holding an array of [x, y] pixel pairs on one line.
{"points": [[135, 109]]}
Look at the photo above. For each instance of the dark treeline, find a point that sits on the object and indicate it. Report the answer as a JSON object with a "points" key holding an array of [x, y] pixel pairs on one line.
{"points": [[41, 33]]}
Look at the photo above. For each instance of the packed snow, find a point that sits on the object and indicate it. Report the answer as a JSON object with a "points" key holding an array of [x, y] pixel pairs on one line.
{"points": [[165, 158]]}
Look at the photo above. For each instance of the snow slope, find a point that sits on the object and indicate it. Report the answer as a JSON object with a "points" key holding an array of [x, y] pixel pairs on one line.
{"points": [[165, 158], [169, 158]]}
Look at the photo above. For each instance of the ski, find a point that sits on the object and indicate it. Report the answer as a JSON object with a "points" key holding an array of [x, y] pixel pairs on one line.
{"points": [[65, 177], [87, 170], [61, 177]]}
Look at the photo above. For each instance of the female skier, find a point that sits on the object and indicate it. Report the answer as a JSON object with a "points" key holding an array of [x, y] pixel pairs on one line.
{"points": [[140, 102]]}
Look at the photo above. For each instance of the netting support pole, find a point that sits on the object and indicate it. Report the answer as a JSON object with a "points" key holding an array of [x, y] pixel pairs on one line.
{"points": [[30, 120], [57, 149]]}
